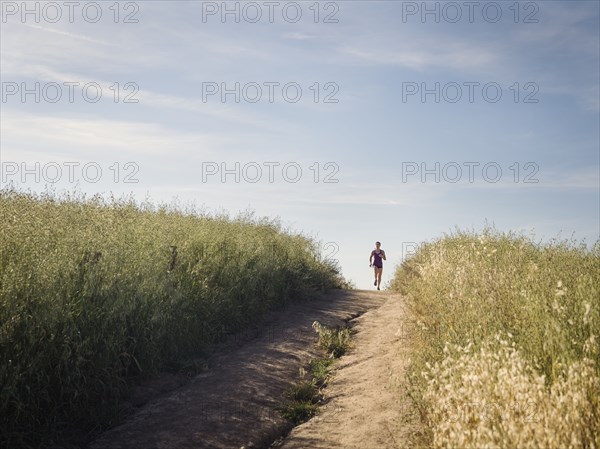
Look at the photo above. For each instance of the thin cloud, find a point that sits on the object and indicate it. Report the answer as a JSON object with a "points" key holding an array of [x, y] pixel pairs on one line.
{"points": [[297, 36], [69, 35], [232, 113], [457, 58], [86, 136]]}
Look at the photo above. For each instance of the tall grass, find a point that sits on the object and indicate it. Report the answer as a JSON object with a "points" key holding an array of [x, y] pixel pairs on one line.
{"points": [[94, 293], [505, 339]]}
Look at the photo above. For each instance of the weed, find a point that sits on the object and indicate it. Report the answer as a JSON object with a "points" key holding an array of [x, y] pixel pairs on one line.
{"points": [[335, 342]]}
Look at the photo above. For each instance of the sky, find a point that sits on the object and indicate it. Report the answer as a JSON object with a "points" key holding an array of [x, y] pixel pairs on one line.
{"points": [[350, 121]]}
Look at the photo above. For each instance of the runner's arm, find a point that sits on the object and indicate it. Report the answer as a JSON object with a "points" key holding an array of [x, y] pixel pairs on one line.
{"points": [[383, 254]]}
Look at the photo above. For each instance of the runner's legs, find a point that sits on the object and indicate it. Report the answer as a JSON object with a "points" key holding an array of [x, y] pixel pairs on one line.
{"points": [[378, 272]]}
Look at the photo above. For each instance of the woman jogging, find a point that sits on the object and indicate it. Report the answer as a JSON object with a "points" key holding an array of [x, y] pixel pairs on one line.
{"points": [[376, 261]]}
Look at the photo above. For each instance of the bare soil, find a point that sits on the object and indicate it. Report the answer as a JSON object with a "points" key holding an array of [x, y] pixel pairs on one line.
{"points": [[232, 404], [367, 401]]}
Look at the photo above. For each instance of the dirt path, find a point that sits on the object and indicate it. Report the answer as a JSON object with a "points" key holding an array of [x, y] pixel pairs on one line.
{"points": [[364, 410], [232, 404]]}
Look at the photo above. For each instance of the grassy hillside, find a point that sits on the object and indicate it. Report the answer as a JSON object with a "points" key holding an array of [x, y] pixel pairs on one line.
{"points": [[95, 293], [506, 341]]}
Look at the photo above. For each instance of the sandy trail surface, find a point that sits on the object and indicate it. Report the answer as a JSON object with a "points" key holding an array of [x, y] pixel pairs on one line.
{"points": [[365, 404], [232, 404]]}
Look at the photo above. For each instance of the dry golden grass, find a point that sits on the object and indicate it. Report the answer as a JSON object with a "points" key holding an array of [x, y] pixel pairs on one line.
{"points": [[506, 339]]}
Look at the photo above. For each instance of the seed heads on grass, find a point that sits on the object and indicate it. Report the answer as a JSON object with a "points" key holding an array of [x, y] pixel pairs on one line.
{"points": [[334, 341]]}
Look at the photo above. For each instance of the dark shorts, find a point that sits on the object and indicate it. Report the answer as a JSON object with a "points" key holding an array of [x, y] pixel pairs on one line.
{"points": [[378, 266]]}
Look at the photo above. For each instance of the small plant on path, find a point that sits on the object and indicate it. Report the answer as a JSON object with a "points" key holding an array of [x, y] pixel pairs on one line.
{"points": [[305, 395], [335, 342]]}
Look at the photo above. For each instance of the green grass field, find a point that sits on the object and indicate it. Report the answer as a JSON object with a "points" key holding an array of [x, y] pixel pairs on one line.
{"points": [[95, 294], [505, 339]]}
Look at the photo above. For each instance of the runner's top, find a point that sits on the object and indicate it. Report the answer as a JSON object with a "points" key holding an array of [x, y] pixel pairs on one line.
{"points": [[377, 260]]}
